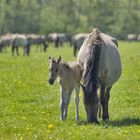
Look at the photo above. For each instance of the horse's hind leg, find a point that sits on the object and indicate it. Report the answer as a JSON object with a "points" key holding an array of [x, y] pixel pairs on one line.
{"points": [[13, 48], [17, 50], [62, 104], [104, 97], [107, 94], [77, 102], [67, 101]]}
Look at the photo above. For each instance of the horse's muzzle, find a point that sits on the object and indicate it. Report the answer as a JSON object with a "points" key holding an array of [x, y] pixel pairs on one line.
{"points": [[51, 81]]}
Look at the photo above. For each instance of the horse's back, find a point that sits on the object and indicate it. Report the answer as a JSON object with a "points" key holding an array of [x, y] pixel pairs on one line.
{"points": [[106, 37], [76, 70], [20, 40]]}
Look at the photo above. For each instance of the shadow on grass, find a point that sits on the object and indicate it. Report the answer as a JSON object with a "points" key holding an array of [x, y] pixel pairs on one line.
{"points": [[115, 123], [124, 122]]}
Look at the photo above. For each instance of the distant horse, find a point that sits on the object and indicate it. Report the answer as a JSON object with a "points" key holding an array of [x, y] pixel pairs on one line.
{"points": [[77, 41], [34, 39], [101, 64], [138, 38], [131, 37], [59, 38], [69, 78], [20, 40], [64, 38], [5, 41]]}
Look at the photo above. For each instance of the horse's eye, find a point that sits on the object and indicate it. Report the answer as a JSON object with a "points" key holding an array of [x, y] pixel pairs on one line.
{"points": [[56, 70]]}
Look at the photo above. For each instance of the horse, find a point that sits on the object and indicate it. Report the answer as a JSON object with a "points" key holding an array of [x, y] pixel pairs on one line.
{"points": [[132, 37], [77, 41], [59, 38], [20, 40], [69, 75], [34, 39], [101, 63], [5, 41], [64, 38], [138, 38]]}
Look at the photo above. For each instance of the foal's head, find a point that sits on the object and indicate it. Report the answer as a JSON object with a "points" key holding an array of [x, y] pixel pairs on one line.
{"points": [[53, 69]]}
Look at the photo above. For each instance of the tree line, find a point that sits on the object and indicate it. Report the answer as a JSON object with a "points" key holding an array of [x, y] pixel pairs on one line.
{"points": [[116, 17]]}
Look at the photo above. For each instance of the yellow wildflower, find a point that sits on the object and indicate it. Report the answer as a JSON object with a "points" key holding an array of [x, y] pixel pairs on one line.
{"points": [[50, 126]]}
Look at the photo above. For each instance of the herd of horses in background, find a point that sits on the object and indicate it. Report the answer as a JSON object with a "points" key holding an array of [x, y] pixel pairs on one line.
{"points": [[58, 39]]}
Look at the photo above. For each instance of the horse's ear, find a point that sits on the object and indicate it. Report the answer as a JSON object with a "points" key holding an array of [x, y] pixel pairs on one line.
{"points": [[59, 59], [49, 57]]}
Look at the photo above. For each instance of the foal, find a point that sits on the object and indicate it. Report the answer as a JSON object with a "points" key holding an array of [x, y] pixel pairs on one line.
{"points": [[69, 75]]}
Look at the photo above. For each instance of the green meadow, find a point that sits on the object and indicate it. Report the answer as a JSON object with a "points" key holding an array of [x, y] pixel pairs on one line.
{"points": [[29, 106]]}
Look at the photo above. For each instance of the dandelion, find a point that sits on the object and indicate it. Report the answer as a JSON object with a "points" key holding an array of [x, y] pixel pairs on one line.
{"points": [[50, 126]]}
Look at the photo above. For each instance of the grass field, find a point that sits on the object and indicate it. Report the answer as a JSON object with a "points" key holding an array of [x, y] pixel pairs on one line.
{"points": [[29, 106]]}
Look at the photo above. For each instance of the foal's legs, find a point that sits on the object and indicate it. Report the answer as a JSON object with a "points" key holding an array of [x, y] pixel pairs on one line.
{"points": [[77, 101], [104, 97], [62, 103], [67, 101]]}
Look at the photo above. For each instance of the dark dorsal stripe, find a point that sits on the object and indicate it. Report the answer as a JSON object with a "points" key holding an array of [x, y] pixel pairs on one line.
{"points": [[91, 71]]}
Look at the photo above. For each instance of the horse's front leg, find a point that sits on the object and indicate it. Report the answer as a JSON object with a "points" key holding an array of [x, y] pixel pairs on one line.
{"points": [[76, 98], [62, 103]]}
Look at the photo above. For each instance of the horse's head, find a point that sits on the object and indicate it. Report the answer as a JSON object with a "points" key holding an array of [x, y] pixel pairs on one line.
{"points": [[90, 103], [53, 69]]}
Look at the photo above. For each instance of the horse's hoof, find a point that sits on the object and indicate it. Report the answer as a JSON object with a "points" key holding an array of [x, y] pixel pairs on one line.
{"points": [[105, 118]]}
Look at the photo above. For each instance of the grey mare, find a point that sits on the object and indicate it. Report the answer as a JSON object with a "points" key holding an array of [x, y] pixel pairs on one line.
{"points": [[100, 60]]}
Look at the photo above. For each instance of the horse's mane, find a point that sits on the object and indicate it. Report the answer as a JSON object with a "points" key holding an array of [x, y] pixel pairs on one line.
{"points": [[66, 65], [92, 61]]}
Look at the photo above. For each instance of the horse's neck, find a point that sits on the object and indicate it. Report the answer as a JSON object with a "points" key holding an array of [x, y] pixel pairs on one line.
{"points": [[62, 71]]}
